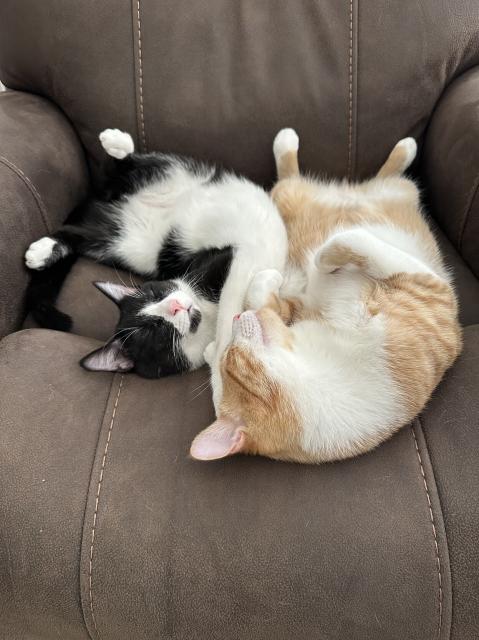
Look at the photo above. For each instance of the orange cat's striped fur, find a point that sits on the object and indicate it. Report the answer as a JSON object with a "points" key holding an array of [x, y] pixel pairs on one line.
{"points": [[356, 353]]}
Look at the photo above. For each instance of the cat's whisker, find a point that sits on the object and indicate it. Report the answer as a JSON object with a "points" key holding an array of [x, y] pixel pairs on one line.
{"points": [[117, 333], [200, 393], [205, 383], [128, 337], [119, 277]]}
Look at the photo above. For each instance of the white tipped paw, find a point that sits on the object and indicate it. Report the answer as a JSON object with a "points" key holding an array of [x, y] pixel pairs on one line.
{"points": [[409, 146], [116, 143], [286, 140], [39, 253], [209, 353], [263, 284]]}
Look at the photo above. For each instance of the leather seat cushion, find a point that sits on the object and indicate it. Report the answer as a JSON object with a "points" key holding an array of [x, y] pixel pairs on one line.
{"points": [[166, 546]]}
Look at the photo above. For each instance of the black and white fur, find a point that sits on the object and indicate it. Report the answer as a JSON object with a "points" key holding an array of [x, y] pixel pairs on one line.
{"points": [[197, 233]]}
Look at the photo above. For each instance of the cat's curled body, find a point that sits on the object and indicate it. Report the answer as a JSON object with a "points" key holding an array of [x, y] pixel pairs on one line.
{"points": [[335, 371], [198, 233]]}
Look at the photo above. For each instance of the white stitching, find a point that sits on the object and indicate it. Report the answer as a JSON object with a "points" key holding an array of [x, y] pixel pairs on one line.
{"points": [[140, 73], [436, 546], [97, 499], [350, 135], [33, 190]]}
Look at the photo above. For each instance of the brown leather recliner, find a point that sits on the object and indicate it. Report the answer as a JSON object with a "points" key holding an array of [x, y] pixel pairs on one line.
{"points": [[108, 530]]}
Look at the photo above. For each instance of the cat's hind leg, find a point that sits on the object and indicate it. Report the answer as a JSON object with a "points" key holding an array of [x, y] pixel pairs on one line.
{"points": [[285, 149], [399, 159], [117, 144], [358, 250]]}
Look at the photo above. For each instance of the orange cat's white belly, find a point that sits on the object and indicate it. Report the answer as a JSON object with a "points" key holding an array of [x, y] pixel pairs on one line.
{"points": [[354, 401]]}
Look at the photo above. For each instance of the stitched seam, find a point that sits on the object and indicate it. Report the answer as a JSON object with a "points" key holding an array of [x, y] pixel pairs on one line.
{"points": [[97, 500], [350, 125], [470, 201], [140, 76], [31, 187], [433, 525]]}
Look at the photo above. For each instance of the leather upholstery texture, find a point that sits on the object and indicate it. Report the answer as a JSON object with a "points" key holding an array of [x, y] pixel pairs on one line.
{"points": [[451, 165], [171, 547], [218, 78], [108, 530]]}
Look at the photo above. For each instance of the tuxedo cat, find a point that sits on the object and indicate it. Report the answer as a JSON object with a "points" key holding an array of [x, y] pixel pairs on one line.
{"points": [[198, 234]]}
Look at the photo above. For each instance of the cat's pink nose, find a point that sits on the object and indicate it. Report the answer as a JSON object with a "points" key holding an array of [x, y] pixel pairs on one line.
{"points": [[175, 306]]}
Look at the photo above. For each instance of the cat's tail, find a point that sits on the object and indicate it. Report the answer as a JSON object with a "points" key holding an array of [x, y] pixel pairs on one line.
{"points": [[285, 149], [399, 159]]}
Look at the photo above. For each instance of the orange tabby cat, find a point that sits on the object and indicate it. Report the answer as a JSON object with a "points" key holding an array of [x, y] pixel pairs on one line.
{"points": [[336, 370]]}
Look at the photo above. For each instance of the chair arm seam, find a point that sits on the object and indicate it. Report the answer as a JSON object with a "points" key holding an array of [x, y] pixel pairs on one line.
{"points": [[31, 187]]}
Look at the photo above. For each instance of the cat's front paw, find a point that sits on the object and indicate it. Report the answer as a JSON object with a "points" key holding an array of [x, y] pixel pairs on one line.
{"points": [[263, 284], [42, 253], [209, 353], [116, 143]]}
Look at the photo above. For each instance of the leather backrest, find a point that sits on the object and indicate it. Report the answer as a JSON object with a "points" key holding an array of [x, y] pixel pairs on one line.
{"points": [[218, 78]]}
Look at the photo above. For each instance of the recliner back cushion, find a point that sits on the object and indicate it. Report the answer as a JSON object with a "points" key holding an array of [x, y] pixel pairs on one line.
{"points": [[217, 78]]}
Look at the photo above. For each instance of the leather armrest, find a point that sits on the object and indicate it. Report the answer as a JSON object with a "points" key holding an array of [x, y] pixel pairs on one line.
{"points": [[43, 174], [451, 428], [451, 165]]}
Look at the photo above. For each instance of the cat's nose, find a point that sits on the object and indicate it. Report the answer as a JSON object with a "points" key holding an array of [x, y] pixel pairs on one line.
{"points": [[175, 306]]}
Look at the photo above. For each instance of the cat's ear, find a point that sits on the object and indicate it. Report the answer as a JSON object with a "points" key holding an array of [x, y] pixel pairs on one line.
{"points": [[108, 358], [224, 437], [115, 292]]}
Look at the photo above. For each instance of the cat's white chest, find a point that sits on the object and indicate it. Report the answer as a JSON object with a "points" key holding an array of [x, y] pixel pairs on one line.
{"points": [[143, 228], [146, 218]]}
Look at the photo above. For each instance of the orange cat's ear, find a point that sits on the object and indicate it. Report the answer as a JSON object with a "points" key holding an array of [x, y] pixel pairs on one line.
{"points": [[224, 437]]}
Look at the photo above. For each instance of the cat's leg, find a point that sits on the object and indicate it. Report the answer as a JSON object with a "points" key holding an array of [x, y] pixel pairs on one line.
{"points": [[47, 251], [209, 353], [233, 298], [117, 144], [285, 149], [264, 293], [357, 250], [262, 285], [399, 159]]}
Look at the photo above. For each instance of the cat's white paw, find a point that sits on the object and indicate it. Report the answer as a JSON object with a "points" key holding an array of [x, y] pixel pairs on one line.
{"points": [[286, 140], [116, 143], [209, 353], [39, 253], [263, 284], [409, 146]]}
